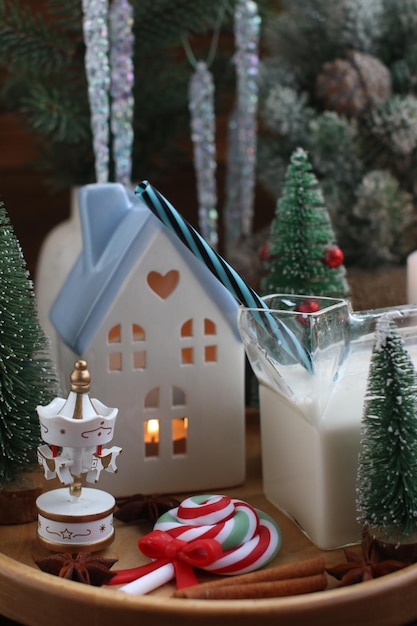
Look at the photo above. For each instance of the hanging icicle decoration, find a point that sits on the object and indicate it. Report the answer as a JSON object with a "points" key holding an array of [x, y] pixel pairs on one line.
{"points": [[203, 131], [96, 40], [232, 209], [122, 78], [201, 105], [247, 24]]}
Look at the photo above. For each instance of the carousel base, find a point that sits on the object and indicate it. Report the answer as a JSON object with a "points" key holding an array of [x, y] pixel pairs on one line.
{"points": [[68, 523]]}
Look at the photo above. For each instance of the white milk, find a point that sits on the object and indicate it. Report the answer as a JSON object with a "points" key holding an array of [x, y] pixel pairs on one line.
{"points": [[310, 459]]}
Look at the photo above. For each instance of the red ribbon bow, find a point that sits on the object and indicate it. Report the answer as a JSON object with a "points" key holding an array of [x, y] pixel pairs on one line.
{"points": [[184, 556]]}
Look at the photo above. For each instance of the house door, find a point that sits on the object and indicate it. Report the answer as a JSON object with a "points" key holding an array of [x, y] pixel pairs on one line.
{"points": [[165, 427]]}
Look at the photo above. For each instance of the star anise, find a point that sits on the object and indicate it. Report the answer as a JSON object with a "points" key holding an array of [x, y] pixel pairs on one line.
{"points": [[371, 563], [82, 567], [144, 508]]}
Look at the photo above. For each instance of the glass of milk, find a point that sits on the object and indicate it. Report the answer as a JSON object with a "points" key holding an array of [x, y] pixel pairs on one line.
{"points": [[311, 421]]}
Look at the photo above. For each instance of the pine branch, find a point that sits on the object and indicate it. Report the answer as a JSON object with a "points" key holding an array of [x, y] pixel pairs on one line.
{"points": [[66, 13], [27, 44], [54, 112]]}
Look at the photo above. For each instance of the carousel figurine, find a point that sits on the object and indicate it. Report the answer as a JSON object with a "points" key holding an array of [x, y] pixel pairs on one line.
{"points": [[74, 431]]}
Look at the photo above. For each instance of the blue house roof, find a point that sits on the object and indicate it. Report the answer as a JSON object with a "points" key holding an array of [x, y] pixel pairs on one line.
{"points": [[117, 227]]}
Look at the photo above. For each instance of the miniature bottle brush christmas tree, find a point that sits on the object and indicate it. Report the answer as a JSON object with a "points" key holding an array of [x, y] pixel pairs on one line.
{"points": [[387, 472], [302, 256], [27, 375]]}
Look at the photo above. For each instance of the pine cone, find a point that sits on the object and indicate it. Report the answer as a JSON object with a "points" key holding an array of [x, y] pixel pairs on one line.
{"points": [[353, 85]]}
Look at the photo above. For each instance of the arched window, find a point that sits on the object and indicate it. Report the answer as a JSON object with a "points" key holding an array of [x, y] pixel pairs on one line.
{"points": [[198, 339], [139, 353], [178, 396], [151, 436], [125, 347], [138, 334], [187, 351], [152, 399], [179, 435], [165, 421], [114, 336], [210, 349], [179, 425], [152, 425], [209, 327], [187, 329]]}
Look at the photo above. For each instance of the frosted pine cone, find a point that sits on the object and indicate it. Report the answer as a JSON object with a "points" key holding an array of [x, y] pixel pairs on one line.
{"points": [[353, 85], [394, 123]]}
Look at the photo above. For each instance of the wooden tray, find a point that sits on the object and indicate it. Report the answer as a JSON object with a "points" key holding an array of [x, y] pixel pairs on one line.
{"points": [[32, 597]]}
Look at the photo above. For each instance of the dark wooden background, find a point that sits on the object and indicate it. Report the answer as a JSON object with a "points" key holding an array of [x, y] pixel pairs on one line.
{"points": [[34, 210]]}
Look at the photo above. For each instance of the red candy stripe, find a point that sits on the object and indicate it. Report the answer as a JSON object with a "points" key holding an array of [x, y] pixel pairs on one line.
{"points": [[210, 511]]}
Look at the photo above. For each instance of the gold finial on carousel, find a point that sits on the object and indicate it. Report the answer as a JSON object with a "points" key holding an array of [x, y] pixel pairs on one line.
{"points": [[80, 384], [80, 377]]}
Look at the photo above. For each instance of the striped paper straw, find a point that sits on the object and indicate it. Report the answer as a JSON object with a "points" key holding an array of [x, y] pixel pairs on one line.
{"points": [[229, 278]]}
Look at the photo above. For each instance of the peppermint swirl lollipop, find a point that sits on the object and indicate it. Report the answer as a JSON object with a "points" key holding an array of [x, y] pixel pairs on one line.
{"points": [[249, 538], [215, 533]]}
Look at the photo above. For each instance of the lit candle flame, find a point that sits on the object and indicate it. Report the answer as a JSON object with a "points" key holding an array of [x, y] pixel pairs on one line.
{"points": [[152, 429]]}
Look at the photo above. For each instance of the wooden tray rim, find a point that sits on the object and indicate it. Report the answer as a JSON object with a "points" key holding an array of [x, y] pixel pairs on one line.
{"points": [[374, 594]]}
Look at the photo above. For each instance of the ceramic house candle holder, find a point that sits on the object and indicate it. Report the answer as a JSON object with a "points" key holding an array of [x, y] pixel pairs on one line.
{"points": [[160, 333], [75, 431], [311, 421]]}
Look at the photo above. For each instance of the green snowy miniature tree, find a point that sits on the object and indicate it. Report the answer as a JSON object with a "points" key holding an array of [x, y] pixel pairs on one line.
{"points": [[302, 256], [27, 375], [387, 471]]}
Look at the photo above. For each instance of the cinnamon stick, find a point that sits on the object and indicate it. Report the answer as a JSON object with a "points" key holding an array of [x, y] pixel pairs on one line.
{"points": [[270, 589], [299, 570]]}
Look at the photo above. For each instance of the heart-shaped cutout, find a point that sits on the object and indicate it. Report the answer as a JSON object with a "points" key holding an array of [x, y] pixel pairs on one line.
{"points": [[163, 284]]}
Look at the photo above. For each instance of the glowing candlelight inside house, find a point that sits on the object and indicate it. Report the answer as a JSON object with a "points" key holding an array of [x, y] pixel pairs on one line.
{"points": [[151, 436], [152, 431], [178, 435]]}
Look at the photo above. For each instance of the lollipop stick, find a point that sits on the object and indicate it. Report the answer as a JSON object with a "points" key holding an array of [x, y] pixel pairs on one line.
{"points": [[150, 581], [235, 284]]}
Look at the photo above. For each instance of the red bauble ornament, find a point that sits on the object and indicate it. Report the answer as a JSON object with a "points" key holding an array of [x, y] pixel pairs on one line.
{"points": [[308, 306], [333, 257], [264, 254]]}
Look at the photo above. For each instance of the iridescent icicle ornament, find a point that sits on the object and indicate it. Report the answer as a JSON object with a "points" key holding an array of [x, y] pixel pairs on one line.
{"points": [[98, 77], [201, 105], [247, 24], [232, 216], [122, 78]]}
